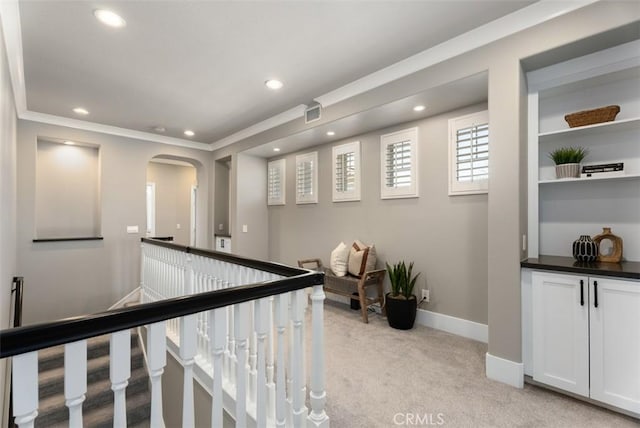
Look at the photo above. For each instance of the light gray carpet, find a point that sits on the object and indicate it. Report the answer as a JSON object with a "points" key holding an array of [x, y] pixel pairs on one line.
{"points": [[374, 372]]}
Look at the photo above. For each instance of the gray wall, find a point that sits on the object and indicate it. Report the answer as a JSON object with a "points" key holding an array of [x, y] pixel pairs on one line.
{"points": [[67, 191], [85, 277], [249, 206], [8, 195], [506, 202], [173, 199], [445, 236], [221, 201]]}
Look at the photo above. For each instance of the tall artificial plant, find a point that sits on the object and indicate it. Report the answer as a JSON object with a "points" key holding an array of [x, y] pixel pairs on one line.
{"points": [[402, 282]]}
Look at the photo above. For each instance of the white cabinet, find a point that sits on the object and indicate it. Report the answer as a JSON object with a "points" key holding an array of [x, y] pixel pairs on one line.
{"points": [[614, 326], [561, 332], [586, 336], [560, 210]]}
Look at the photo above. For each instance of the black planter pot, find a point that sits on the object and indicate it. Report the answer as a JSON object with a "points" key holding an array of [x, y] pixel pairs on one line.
{"points": [[401, 313]]}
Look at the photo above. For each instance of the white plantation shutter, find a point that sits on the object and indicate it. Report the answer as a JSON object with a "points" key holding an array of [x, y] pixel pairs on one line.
{"points": [[469, 154], [307, 178], [346, 172], [399, 164], [276, 174]]}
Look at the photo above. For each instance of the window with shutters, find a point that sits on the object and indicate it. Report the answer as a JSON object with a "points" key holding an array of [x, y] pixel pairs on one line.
{"points": [[399, 164], [307, 178], [276, 175], [469, 154], [346, 172]]}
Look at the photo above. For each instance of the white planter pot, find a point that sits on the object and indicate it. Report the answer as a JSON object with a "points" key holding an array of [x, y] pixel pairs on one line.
{"points": [[568, 170]]}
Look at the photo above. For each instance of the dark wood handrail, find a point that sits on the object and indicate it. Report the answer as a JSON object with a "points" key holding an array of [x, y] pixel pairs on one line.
{"points": [[30, 338], [271, 267], [18, 281]]}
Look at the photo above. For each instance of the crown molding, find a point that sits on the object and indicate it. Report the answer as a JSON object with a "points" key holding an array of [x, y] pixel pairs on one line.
{"points": [[530, 16], [522, 19], [10, 19], [277, 120], [111, 130]]}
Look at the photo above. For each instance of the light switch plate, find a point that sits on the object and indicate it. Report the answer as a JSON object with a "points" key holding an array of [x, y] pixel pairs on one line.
{"points": [[245, 228], [132, 229], [178, 226]]}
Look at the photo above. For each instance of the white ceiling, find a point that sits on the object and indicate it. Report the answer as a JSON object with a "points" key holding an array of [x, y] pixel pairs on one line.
{"points": [[201, 64]]}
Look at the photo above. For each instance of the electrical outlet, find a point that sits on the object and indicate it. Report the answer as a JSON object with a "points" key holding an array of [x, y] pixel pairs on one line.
{"points": [[425, 294], [524, 242]]}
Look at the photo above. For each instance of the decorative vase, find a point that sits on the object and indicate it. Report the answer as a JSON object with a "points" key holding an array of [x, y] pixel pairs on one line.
{"points": [[584, 249], [401, 312], [613, 252], [568, 170]]}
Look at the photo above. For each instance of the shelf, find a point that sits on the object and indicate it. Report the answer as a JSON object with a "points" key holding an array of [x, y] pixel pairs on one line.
{"points": [[570, 180], [614, 126], [82, 238], [623, 269]]}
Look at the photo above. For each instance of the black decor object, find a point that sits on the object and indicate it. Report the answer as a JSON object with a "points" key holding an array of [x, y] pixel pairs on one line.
{"points": [[584, 249], [401, 312]]}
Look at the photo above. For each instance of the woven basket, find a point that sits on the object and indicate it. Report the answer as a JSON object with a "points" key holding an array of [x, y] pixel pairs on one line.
{"points": [[589, 117]]}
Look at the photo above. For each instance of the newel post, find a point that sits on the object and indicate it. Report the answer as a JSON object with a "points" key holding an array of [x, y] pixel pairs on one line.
{"points": [[318, 396]]}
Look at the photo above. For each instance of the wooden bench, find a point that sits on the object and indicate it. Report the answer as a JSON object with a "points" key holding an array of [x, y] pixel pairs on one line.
{"points": [[344, 285]]}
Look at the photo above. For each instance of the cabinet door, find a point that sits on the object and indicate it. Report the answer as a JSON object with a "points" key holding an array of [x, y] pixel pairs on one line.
{"points": [[561, 331], [615, 342]]}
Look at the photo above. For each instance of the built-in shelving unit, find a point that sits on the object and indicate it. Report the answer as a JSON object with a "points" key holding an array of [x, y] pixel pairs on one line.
{"points": [[560, 210]]}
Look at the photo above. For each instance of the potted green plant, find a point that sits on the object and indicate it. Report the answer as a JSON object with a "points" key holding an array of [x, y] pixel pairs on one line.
{"points": [[401, 304], [567, 160]]}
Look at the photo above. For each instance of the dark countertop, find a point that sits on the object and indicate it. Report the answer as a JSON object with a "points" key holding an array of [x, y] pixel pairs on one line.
{"points": [[569, 264], [221, 236]]}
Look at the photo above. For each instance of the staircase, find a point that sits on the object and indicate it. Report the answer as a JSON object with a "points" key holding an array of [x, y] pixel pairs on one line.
{"points": [[98, 405]]}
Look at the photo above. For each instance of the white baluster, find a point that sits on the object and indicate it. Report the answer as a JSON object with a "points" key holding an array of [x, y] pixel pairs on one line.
{"points": [[297, 397], [318, 396], [282, 318], [241, 324], [75, 380], [25, 389], [188, 337], [218, 333], [253, 357], [119, 373], [261, 317], [143, 266], [157, 343], [271, 386]]}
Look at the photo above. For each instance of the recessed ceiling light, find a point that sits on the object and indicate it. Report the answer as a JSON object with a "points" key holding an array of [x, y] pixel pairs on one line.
{"points": [[159, 128], [274, 84], [276, 149], [419, 108], [80, 110], [109, 18], [69, 143], [189, 133], [331, 133]]}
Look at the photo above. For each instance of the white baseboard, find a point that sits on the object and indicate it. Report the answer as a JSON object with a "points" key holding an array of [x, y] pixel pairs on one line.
{"points": [[505, 371], [134, 296], [457, 326]]}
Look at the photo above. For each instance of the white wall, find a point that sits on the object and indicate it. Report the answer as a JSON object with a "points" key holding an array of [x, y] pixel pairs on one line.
{"points": [[88, 276], [7, 201]]}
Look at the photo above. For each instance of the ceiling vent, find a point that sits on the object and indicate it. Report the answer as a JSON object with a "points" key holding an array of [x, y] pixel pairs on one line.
{"points": [[313, 113]]}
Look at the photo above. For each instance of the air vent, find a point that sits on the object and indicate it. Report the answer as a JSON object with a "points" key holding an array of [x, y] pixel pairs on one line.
{"points": [[313, 113]]}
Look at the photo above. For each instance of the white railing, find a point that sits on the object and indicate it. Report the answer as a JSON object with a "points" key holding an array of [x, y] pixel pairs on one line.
{"points": [[237, 350], [239, 329]]}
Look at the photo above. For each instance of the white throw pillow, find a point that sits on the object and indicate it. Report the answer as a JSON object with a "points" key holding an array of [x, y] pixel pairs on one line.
{"points": [[340, 259], [362, 258]]}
